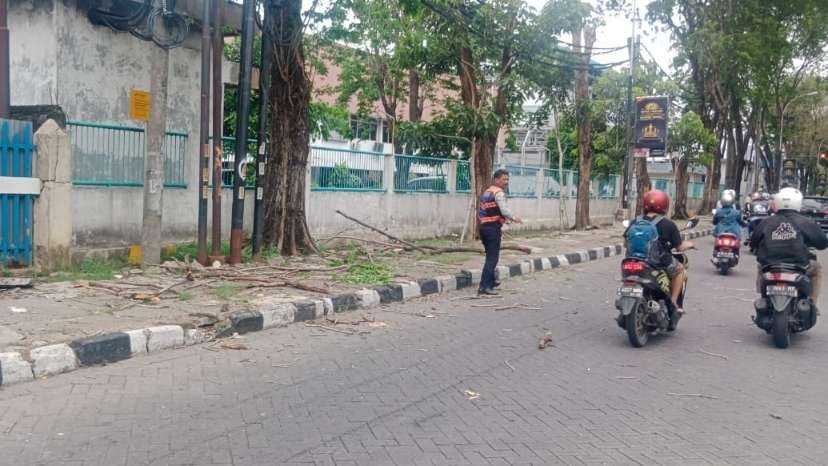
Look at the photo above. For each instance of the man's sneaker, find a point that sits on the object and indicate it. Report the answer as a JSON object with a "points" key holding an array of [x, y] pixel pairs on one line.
{"points": [[486, 292]]}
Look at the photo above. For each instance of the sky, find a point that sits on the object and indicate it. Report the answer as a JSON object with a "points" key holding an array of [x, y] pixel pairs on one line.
{"points": [[616, 31]]}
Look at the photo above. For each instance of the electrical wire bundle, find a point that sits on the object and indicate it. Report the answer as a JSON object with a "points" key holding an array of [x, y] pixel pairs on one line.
{"points": [[159, 24]]}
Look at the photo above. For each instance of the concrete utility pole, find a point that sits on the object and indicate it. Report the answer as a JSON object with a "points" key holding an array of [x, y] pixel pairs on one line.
{"points": [[5, 84], [245, 70], [154, 162], [204, 136]]}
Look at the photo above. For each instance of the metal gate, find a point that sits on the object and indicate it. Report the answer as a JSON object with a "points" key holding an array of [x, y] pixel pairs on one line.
{"points": [[17, 192]]}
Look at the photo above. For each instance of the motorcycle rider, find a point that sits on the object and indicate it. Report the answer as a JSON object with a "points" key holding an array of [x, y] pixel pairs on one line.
{"points": [[785, 238], [728, 219], [656, 205]]}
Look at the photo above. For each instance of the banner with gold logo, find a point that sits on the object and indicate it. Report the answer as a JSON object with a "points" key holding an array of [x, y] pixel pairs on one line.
{"points": [[651, 116]]}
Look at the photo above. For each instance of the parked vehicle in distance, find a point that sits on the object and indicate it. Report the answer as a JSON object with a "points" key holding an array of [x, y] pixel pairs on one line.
{"points": [[816, 208]]}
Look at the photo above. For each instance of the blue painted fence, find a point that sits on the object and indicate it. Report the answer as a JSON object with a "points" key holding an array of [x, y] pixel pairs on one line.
{"points": [[16, 150]]}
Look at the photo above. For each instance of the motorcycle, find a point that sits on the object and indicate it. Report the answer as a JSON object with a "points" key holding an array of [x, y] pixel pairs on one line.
{"points": [[785, 306], [759, 212], [644, 302], [725, 252]]}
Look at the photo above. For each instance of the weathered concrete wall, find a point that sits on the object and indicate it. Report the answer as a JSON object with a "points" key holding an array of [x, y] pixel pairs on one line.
{"points": [[112, 217], [33, 52]]}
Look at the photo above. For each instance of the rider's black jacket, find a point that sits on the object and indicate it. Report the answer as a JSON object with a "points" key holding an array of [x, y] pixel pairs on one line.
{"points": [[785, 238]]}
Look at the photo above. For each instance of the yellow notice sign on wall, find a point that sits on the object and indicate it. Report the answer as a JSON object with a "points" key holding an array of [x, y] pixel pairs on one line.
{"points": [[139, 105]]}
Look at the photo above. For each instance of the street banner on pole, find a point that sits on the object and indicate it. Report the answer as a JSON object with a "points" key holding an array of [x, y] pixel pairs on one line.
{"points": [[651, 118]]}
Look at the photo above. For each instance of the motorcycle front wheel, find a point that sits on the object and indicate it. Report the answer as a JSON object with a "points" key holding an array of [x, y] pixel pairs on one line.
{"points": [[637, 329], [781, 329]]}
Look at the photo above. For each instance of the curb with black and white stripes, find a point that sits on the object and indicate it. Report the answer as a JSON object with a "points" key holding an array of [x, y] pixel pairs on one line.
{"points": [[113, 347]]}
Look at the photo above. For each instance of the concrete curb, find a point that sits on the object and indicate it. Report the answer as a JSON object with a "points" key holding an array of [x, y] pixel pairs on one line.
{"points": [[113, 347]]}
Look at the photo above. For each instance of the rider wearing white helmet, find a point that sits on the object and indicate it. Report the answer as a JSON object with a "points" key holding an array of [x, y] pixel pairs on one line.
{"points": [[785, 238], [728, 219]]}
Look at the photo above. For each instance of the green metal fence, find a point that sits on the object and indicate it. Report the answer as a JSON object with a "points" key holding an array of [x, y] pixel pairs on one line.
{"points": [[695, 190], [665, 185], [553, 182], [228, 160], [607, 187], [463, 178], [346, 170], [113, 155], [417, 174], [522, 180]]}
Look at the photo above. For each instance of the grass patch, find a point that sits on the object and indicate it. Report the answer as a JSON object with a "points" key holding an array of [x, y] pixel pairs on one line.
{"points": [[361, 271], [437, 242], [446, 259], [89, 269], [226, 291], [180, 252], [185, 296]]}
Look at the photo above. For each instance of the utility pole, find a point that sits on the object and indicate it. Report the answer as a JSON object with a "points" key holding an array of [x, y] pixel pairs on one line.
{"points": [[204, 158], [218, 100], [154, 161], [261, 159], [625, 192], [5, 84], [245, 70]]}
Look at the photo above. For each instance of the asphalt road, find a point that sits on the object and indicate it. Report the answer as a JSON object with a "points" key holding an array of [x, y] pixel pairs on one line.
{"points": [[715, 392]]}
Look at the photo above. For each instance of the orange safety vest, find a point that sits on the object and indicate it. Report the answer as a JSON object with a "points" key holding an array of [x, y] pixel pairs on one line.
{"points": [[489, 212]]}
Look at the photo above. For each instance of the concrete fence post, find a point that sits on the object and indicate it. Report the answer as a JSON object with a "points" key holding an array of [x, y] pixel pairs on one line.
{"points": [[451, 181], [388, 186], [539, 213], [53, 208]]}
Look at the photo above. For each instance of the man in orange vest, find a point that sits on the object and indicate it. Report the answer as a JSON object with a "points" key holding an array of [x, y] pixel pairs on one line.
{"points": [[492, 214]]}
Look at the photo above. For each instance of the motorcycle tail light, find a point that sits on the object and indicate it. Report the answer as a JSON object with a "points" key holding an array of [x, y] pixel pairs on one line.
{"points": [[633, 266]]}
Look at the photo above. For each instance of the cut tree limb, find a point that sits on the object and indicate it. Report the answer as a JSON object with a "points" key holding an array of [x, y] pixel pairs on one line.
{"points": [[428, 249], [377, 230]]}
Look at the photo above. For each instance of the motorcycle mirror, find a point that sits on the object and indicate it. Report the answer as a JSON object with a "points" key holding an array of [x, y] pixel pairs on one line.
{"points": [[626, 223]]}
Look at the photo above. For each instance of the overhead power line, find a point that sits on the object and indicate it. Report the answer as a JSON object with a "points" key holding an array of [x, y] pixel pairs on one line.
{"points": [[556, 61]]}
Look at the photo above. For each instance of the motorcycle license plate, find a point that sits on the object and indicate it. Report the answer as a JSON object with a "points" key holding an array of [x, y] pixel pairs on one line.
{"points": [[631, 291], [781, 290], [725, 255]]}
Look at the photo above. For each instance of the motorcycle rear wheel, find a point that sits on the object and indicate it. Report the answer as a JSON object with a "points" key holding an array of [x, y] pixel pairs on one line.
{"points": [[723, 269], [637, 329], [781, 329]]}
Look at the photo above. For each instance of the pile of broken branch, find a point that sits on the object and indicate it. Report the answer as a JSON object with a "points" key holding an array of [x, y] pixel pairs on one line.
{"points": [[409, 246], [192, 275]]}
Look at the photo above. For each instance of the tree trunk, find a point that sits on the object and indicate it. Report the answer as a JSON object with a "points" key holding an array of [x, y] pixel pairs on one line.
{"points": [[415, 109], [644, 184], [582, 104], [711, 194], [682, 178], [286, 225]]}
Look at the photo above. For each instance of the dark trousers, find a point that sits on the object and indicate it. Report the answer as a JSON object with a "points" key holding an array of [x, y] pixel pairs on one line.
{"points": [[490, 235]]}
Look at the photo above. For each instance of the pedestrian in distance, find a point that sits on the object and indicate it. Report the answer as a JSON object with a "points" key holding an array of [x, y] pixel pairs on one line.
{"points": [[492, 215]]}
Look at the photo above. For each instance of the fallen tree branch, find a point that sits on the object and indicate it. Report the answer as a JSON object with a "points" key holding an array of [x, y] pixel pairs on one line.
{"points": [[713, 354], [364, 240], [695, 395], [377, 230], [302, 286], [170, 287], [325, 327]]}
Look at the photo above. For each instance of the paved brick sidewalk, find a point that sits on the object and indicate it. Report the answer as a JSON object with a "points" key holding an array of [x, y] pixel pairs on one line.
{"points": [[395, 396], [61, 312]]}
